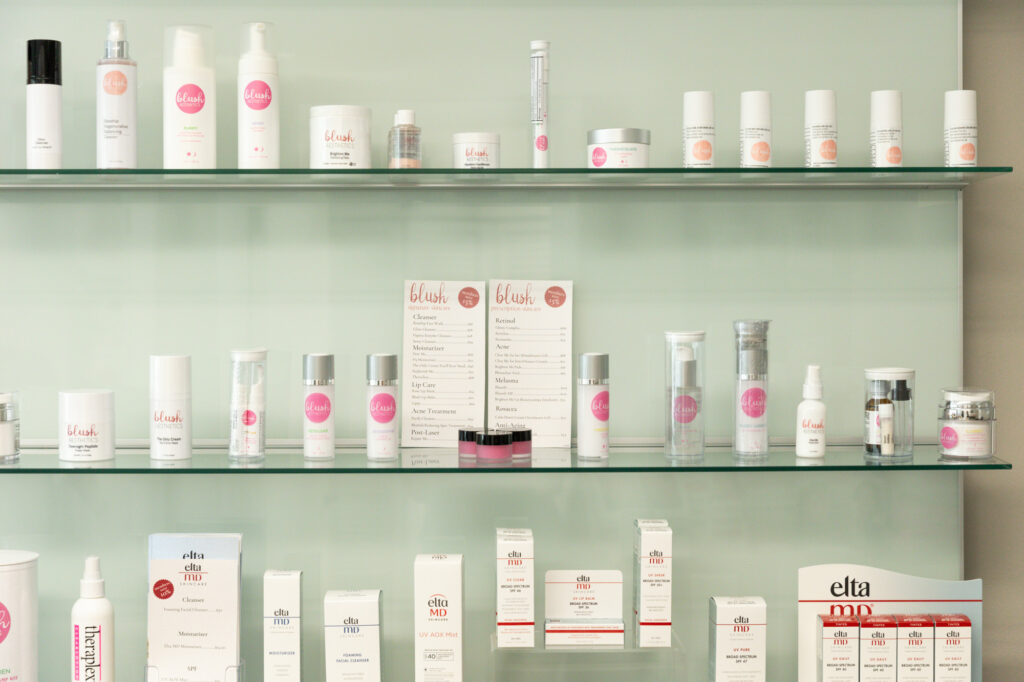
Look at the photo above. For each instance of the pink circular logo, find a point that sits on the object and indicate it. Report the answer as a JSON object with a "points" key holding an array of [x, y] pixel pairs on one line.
{"points": [[599, 406], [469, 297], [382, 408], [753, 402], [684, 409], [542, 143], [257, 95], [115, 83], [190, 98], [318, 407], [555, 296], [948, 437], [5, 622], [248, 417], [599, 157]]}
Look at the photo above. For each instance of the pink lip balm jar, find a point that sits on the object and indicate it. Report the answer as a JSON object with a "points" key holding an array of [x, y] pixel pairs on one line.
{"points": [[467, 441], [494, 445], [522, 442]]}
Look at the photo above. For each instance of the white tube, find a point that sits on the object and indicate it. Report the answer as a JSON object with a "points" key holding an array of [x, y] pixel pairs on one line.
{"points": [[539, 56]]}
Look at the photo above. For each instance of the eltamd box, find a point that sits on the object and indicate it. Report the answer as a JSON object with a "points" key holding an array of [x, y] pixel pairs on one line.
{"points": [[878, 649], [652, 583], [583, 608], [838, 649], [437, 593], [282, 626], [352, 635], [915, 649], [515, 578], [193, 607], [952, 647], [738, 639]]}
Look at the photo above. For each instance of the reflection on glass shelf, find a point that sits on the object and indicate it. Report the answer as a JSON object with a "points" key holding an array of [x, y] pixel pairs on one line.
{"points": [[622, 459], [922, 177]]}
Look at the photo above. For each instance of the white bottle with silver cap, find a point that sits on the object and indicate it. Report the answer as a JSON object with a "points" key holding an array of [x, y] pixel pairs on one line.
{"points": [[381, 407], [10, 427], [810, 417], [170, 407], [318, 406], [592, 406], [259, 127], [248, 439], [684, 373], [750, 437], [116, 121], [92, 628]]}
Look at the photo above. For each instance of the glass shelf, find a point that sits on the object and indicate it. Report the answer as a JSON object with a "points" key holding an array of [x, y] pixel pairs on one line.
{"points": [[426, 461], [923, 177]]}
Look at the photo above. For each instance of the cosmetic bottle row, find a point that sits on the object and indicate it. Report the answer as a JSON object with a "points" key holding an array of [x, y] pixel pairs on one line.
{"points": [[339, 135]]}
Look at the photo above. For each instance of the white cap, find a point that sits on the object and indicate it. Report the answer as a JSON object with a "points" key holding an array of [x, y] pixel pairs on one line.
{"points": [[698, 108], [476, 138], [685, 337], [886, 110], [116, 31], [961, 107], [539, 44], [170, 376], [343, 110], [254, 355], [92, 584], [405, 117], [188, 46], [756, 109], [87, 403], [889, 374], [256, 56], [820, 107], [812, 383]]}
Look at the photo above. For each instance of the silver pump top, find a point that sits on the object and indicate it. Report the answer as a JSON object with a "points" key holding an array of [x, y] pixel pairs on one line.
{"points": [[318, 369], [117, 40], [381, 368], [593, 368]]}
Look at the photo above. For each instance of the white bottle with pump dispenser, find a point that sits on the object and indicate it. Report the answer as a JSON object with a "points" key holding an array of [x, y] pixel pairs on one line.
{"points": [[190, 98], [810, 417], [116, 122], [92, 628], [259, 118]]}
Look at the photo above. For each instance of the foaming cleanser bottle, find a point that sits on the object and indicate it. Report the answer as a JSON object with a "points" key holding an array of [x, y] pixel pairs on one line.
{"points": [[190, 98], [170, 407], [381, 406], [259, 118], [592, 406], [92, 628], [43, 106], [116, 123], [318, 406], [750, 437], [810, 417]]}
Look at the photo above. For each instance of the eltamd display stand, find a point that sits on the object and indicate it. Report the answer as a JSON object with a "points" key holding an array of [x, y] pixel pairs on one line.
{"points": [[231, 673]]}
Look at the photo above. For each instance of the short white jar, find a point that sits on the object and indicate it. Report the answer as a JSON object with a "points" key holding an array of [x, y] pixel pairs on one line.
{"points": [[339, 137], [618, 148], [86, 423], [967, 423], [476, 150]]}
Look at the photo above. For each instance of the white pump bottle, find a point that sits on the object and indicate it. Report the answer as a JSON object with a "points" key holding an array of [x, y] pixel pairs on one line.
{"points": [[810, 417], [259, 106], [92, 628]]}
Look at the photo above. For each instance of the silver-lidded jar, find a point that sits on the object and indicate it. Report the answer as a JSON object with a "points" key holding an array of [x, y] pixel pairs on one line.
{"points": [[967, 423], [381, 370], [618, 148], [10, 427]]}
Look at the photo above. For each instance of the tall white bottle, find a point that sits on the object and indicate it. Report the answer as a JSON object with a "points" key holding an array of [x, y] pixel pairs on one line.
{"points": [[92, 628], [810, 417], [382, 407], [592, 406], [116, 120], [318, 406], [190, 98], [44, 143], [259, 119], [170, 407]]}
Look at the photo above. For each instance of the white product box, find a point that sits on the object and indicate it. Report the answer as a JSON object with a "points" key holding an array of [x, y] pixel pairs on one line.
{"points": [[952, 648], [583, 595], [584, 634], [878, 648], [437, 592], [838, 649], [282, 626], [738, 634], [514, 613], [652, 583], [915, 648], [193, 607], [352, 635]]}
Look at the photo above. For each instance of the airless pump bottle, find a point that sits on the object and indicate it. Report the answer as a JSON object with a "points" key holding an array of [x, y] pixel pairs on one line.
{"points": [[318, 406], [43, 106], [116, 124], [810, 417], [592, 406], [381, 407], [751, 410], [92, 628]]}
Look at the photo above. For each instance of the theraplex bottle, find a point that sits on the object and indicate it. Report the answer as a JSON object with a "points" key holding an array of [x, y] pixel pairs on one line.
{"points": [[92, 628]]}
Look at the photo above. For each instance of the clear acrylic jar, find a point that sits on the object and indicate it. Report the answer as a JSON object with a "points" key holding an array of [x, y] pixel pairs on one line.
{"points": [[10, 427], [248, 439], [967, 423], [684, 394], [889, 412]]}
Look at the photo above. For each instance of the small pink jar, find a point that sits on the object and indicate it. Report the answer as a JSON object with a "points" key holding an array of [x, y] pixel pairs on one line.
{"points": [[494, 445], [467, 442], [522, 442]]}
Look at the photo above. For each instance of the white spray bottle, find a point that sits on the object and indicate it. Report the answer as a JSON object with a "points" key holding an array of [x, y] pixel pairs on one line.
{"points": [[92, 628], [810, 417]]}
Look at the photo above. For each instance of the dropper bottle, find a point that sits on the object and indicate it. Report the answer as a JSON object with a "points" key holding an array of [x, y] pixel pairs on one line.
{"points": [[92, 628], [404, 141]]}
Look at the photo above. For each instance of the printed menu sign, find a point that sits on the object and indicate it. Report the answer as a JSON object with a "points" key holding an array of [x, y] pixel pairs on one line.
{"points": [[530, 359], [443, 369]]}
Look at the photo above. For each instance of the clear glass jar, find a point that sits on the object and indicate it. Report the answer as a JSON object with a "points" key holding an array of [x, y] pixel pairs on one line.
{"points": [[684, 394], [889, 412], [967, 423]]}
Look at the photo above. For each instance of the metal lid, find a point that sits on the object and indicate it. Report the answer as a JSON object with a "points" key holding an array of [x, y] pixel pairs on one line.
{"points": [[889, 373], [469, 435], [318, 368], [613, 135], [494, 437], [752, 328], [593, 368], [381, 367]]}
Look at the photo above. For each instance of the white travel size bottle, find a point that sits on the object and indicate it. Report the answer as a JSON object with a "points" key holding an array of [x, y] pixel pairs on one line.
{"points": [[592, 406], [318, 406], [190, 98], [43, 107], [92, 628], [170, 407], [116, 125], [810, 417], [382, 407], [259, 106]]}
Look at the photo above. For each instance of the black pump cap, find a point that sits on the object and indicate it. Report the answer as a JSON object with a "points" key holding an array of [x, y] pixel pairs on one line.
{"points": [[901, 391], [44, 62]]}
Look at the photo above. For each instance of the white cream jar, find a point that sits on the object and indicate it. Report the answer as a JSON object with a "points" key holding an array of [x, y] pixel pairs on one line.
{"points": [[618, 148], [86, 423], [476, 150], [339, 137]]}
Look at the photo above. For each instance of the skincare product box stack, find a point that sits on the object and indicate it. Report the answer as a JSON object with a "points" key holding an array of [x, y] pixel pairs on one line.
{"points": [[352, 641], [438, 601], [583, 609], [737, 639], [652, 583], [514, 613]]}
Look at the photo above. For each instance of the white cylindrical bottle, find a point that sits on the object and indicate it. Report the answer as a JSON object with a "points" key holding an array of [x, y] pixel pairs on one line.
{"points": [[116, 122], [381, 406], [248, 439], [886, 136], [699, 129], [540, 52], [592, 406], [810, 417], [756, 129], [259, 106], [190, 98], [170, 407], [44, 143], [318, 406], [750, 438], [821, 135], [92, 629], [961, 128]]}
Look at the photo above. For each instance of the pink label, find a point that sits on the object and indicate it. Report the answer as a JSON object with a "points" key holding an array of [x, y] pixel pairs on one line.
{"points": [[190, 98], [753, 402], [257, 95], [599, 406], [318, 407], [115, 83], [555, 297], [948, 437], [542, 143], [684, 409], [382, 408], [248, 417], [599, 156], [5, 622], [469, 297], [78, 652]]}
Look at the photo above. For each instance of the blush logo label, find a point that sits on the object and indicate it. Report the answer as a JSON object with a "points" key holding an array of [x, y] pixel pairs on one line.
{"points": [[5, 622], [248, 417], [475, 153], [418, 293], [701, 150], [162, 417], [760, 151], [828, 150], [382, 408], [948, 437], [469, 297], [257, 95], [599, 406], [504, 294], [753, 402], [599, 157], [333, 135], [894, 155], [555, 297], [75, 431], [115, 83], [190, 98], [684, 409], [318, 407], [968, 151], [542, 143]]}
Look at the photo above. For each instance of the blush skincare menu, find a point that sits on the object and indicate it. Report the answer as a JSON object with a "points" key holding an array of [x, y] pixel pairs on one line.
{"points": [[530, 359], [443, 374]]}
